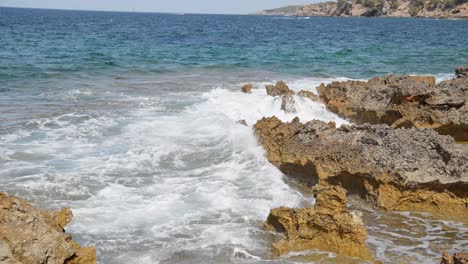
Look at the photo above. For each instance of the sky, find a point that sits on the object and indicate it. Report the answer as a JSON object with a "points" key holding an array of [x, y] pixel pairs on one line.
{"points": [[165, 6]]}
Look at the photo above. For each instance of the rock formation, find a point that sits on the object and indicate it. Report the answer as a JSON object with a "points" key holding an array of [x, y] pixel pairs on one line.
{"points": [[394, 169], [310, 95], [280, 89], [329, 226], [288, 103], [461, 72], [457, 258], [28, 235], [403, 101], [247, 88], [372, 8]]}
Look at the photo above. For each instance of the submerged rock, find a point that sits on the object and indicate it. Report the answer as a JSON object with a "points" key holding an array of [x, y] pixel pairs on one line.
{"points": [[395, 169], [288, 104], [242, 122], [329, 226], [457, 258], [402, 101], [247, 88], [28, 235]]}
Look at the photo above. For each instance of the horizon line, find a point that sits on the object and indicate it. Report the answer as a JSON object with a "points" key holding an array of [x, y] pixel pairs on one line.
{"points": [[130, 11]]}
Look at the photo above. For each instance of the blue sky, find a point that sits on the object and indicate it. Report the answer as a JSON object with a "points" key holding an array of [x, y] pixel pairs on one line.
{"points": [[178, 6]]}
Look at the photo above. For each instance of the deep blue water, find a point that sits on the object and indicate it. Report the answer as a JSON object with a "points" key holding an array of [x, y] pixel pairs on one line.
{"points": [[130, 119], [50, 43]]}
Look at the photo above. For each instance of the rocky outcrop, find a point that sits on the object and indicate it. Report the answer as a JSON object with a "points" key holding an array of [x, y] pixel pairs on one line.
{"points": [[457, 258], [461, 72], [329, 226], [403, 101], [28, 235], [370, 8], [394, 169], [288, 103], [310, 95], [280, 89], [247, 88]]}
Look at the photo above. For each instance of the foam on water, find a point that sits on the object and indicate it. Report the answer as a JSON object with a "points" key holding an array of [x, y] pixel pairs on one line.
{"points": [[179, 186]]}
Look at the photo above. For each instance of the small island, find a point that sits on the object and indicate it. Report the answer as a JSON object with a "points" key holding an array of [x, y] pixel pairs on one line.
{"points": [[453, 9]]}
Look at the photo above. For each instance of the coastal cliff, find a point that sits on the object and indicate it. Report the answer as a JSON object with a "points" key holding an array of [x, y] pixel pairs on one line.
{"points": [[378, 8]]}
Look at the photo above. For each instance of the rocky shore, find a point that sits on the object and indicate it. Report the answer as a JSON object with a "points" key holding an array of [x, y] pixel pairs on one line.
{"points": [[29, 235], [399, 155], [372, 8], [403, 101]]}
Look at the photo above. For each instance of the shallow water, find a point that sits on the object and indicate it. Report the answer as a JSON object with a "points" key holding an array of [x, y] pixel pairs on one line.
{"points": [[130, 120]]}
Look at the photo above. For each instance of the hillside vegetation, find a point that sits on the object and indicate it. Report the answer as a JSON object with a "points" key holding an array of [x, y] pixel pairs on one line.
{"points": [[375, 8]]}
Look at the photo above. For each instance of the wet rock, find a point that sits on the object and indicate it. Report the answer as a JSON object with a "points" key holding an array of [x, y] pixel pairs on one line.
{"points": [[288, 104], [402, 101], [461, 72], [242, 122], [395, 169], [247, 88], [279, 89], [309, 94], [457, 258], [329, 226], [28, 235]]}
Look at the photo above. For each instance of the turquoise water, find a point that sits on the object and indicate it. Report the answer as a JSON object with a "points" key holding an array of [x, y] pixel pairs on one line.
{"points": [[130, 119]]}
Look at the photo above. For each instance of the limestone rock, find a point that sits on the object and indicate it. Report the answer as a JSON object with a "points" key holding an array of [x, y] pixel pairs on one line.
{"points": [[461, 72], [247, 88], [28, 235], [457, 258], [279, 89], [402, 101], [288, 104], [329, 226], [394, 169], [309, 94]]}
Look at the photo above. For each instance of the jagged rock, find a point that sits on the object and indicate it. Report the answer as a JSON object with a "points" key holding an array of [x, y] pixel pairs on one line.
{"points": [[402, 101], [461, 72], [242, 122], [457, 258], [28, 235], [247, 88], [329, 226], [394, 169], [288, 104], [279, 89], [309, 94]]}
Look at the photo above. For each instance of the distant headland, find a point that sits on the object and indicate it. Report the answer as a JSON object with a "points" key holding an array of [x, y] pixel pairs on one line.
{"points": [[378, 8]]}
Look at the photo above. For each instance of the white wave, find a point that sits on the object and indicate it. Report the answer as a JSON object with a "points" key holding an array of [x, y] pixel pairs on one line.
{"points": [[151, 185]]}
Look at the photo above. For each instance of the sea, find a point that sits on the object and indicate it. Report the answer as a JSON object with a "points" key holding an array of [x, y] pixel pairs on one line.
{"points": [[131, 120]]}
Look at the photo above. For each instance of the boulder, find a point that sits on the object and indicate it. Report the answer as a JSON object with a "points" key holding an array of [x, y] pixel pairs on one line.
{"points": [[279, 89], [457, 258], [28, 235], [402, 101], [461, 72], [329, 226], [394, 169], [247, 88]]}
